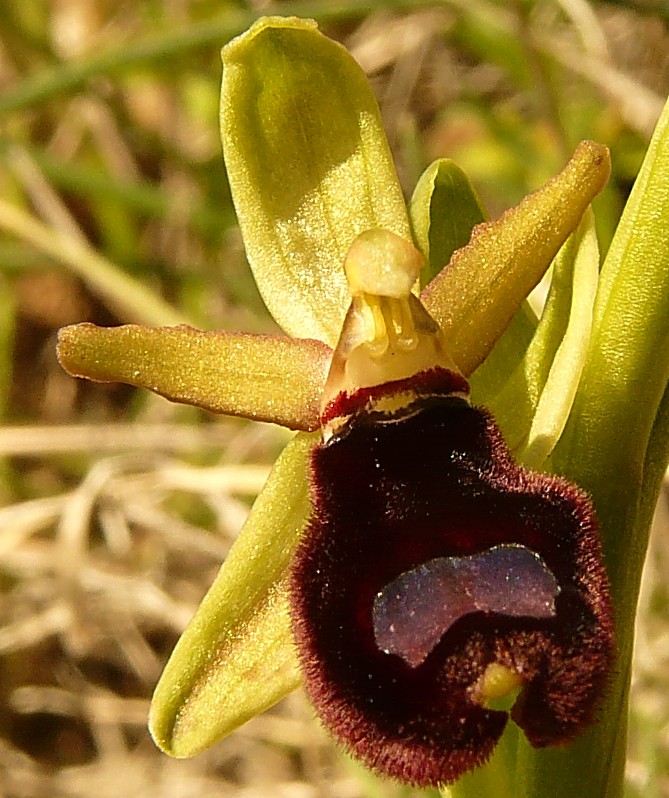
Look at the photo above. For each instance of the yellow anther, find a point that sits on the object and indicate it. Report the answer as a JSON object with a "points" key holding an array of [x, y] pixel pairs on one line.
{"points": [[371, 309], [388, 324], [403, 324]]}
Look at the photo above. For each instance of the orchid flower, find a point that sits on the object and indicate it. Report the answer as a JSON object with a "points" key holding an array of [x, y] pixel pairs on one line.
{"points": [[424, 566]]}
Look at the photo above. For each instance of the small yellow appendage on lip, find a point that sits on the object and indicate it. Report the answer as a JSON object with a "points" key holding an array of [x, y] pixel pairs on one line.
{"points": [[498, 687]]}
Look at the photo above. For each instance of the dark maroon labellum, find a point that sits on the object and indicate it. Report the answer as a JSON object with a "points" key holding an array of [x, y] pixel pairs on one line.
{"points": [[430, 556]]}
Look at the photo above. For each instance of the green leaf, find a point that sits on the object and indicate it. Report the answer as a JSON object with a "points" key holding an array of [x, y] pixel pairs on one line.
{"points": [[655, 464], [263, 377], [443, 210], [309, 168], [505, 259], [627, 368], [236, 657]]}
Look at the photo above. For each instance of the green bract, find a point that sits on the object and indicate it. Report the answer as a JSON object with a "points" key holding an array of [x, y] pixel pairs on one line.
{"points": [[585, 395]]}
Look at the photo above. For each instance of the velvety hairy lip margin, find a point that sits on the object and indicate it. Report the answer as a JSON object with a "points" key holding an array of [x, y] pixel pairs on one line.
{"points": [[390, 497]]}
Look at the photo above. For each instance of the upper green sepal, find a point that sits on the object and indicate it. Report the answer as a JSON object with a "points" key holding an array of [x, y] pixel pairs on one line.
{"points": [[309, 168]]}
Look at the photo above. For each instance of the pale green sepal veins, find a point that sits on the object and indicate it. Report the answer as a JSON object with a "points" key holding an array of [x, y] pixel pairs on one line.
{"points": [[309, 168], [236, 657]]}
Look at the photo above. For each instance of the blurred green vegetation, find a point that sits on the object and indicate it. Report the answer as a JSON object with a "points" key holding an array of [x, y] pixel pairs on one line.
{"points": [[114, 207]]}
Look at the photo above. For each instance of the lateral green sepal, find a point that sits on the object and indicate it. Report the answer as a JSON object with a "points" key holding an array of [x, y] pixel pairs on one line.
{"points": [[236, 657]]}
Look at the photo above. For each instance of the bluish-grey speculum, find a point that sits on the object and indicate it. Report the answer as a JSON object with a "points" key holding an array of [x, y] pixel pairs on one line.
{"points": [[414, 611]]}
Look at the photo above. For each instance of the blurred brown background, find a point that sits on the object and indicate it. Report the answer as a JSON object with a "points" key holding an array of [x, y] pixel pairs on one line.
{"points": [[117, 507]]}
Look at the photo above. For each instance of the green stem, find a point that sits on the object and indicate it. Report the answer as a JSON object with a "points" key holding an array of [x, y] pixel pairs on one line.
{"points": [[495, 778], [130, 297]]}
